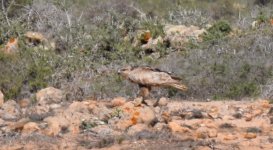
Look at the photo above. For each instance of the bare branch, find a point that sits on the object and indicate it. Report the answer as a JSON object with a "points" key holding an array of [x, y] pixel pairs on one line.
{"points": [[5, 12]]}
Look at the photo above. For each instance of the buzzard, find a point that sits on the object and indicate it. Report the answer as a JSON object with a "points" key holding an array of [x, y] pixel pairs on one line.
{"points": [[147, 77]]}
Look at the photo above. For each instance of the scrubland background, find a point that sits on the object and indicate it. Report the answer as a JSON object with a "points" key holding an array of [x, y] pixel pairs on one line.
{"points": [[94, 38]]}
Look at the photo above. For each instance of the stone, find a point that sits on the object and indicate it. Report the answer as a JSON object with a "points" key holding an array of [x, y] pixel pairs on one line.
{"points": [[102, 130], [19, 125], [34, 38], [55, 125], [248, 117], [202, 133], [138, 101], [179, 35], [265, 104], [23, 103], [257, 112], [49, 95], [30, 127], [124, 124], [147, 115], [160, 126], [137, 128], [150, 102], [229, 137], [152, 44], [212, 133], [175, 127], [11, 111], [250, 135], [38, 113], [1, 99], [163, 101], [118, 101]]}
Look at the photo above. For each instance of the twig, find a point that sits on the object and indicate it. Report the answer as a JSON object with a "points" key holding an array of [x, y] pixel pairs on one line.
{"points": [[5, 12], [68, 19]]}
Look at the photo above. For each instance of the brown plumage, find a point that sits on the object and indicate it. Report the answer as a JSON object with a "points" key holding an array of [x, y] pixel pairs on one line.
{"points": [[147, 78]]}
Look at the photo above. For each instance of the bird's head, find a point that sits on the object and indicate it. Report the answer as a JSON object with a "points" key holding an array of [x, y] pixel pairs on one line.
{"points": [[125, 71]]}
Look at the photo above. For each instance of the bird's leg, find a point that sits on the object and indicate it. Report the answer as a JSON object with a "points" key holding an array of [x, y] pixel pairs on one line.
{"points": [[144, 92]]}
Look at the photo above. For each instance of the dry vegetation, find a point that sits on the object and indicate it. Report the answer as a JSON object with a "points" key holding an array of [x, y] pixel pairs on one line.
{"points": [[92, 39]]}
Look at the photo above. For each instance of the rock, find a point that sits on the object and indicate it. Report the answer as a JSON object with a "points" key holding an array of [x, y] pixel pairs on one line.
{"points": [[23, 103], [55, 125], [55, 106], [160, 126], [138, 101], [163, 101], [250, 135], [202, 133], [38, 113], [257, 112], [34, 38], [248, 117], [30, 127], [178, 35], [150, 102], [147, 115], [103, 113], [18, 126], [118, 101], [103, 130], [175, 127], [11, 111], [49, 95], [229, 137], [152, 44], [124, 124], [202, 148], [265, 104], [196, 114], [1, 99], [11, 47], [166, 117], [137, 128], [212, 133]]}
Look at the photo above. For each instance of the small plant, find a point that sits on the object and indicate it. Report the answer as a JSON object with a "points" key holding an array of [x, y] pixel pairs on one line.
{"points": [[86, 125], [238, 90], [219, 30], [117, 113]]}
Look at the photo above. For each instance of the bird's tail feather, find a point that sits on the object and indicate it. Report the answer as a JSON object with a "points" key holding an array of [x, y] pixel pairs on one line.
{"points": [[179, 86]]}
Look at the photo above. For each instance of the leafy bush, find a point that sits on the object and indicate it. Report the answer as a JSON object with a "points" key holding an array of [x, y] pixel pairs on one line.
{"points": [[219, 30]]}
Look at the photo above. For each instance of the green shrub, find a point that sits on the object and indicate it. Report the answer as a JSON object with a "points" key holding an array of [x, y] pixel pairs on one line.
{"points": [[245, 89], [219, 30]]}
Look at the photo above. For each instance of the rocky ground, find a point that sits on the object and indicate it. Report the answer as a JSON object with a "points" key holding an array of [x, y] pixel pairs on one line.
{"points": [[52, 123]]}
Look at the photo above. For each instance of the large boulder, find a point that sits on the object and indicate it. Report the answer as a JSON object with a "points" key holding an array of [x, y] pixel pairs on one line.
{"points": [[131, 115], [179, 35], [34, 38], [1, 99], [30, 127], [10, 111], [49, 95]]}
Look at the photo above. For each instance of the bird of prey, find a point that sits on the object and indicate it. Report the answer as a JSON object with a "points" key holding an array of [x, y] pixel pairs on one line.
{"points": [[147, 77]]}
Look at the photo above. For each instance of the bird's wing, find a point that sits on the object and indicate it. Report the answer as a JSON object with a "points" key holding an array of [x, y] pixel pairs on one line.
{"points": [[149, 76]]}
